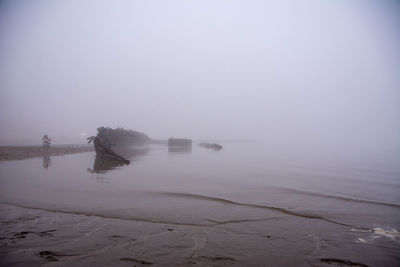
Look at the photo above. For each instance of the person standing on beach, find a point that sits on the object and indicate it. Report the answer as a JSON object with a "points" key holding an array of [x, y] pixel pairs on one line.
{"points": [[46, 141]]}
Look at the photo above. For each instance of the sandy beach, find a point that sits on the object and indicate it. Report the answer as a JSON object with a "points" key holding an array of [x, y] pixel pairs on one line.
{"points": [[38, 237], [25, 152]]}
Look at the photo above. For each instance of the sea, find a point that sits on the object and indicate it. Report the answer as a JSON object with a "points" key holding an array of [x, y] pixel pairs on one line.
{"points": [[243, 205]]}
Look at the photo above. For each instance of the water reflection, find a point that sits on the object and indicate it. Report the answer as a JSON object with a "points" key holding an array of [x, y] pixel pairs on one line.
{"points": [[46, 161], [103, 163], [180, 149]]}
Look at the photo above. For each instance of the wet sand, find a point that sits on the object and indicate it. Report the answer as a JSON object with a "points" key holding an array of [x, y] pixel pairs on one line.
{"points": [[36, 237], [25, 152]]}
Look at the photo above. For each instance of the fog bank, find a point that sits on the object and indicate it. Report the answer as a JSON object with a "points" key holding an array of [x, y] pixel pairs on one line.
{"points": [[311, 74]]}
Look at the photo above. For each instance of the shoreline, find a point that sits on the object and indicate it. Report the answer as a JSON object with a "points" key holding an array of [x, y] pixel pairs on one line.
{"points": [[25, 152]]}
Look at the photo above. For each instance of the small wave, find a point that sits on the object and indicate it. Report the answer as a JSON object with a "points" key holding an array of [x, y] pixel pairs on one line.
{"points": [[102, 215], [260, 206], [344, 198], [390, 233], [212, 222], [199, 197], [378, 232]]}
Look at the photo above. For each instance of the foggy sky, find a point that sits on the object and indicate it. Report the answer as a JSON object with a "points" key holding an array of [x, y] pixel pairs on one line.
{"points": [[319, 73]]}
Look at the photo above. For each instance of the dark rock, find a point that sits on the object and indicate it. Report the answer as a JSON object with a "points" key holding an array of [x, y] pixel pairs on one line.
{"points": [[211, 146]]}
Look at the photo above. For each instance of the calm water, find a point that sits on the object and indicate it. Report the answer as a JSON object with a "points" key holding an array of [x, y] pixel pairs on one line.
{"points": [[356, 202]]}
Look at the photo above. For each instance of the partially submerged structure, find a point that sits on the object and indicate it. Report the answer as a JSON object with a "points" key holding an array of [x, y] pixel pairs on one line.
{"points": [[103, 163], [109, 142], [179, 145], [211, 146], [103, 149], [179, 142]]}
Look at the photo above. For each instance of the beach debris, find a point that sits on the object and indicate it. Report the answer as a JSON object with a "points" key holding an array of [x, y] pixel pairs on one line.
{"points": [[53, 255], [48, 255], [23, 234]]}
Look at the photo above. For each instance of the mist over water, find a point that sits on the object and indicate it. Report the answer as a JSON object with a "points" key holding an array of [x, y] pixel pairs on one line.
{"points": [[304, 98], [298, 76]]}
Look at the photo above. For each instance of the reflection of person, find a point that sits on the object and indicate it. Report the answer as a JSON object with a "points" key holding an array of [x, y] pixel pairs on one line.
{"points": [[46, 141], [46, 161]]}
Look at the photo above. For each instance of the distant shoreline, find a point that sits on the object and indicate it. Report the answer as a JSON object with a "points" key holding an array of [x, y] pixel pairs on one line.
{"points": [[25, 152]]}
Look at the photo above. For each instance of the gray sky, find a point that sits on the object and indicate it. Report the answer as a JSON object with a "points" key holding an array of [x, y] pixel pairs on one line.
{"points": [[320, 73]]}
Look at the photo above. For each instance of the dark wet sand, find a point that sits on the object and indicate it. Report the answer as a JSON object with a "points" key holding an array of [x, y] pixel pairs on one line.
{"points": [[25, 152], [34, 237]]}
